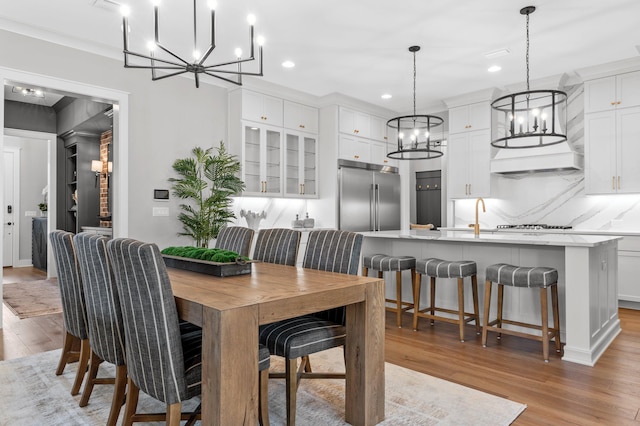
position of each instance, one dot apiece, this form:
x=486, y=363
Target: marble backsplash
x=554, y=198
x=276, y=212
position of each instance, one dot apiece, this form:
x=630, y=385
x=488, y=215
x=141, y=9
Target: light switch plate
x=161, y=211
x=30, y=213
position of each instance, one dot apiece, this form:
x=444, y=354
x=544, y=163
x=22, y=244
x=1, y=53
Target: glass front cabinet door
x=262, y=159
x=301, y=165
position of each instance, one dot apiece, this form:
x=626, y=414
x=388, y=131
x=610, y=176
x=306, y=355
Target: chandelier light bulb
x=196, y=54
x=260, y=40
x=125, y=10
x=401, y=135
x=416, y=132
x=251, y=19
x=413, y=137
x=535, y=112
x=238, y=52
x=543, y=116
x=151, y=45
x=155, y=3
x=212, y=4
x=426, y=134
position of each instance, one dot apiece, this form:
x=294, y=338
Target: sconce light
x=97, y=166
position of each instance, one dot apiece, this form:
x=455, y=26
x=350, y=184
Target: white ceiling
x=13, y=93
x=359, y=48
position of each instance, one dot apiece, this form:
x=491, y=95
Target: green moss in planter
x=211, y=255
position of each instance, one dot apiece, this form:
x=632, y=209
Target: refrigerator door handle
x=377, y=204
x=372, y=210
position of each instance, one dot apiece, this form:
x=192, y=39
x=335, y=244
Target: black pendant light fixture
x=176, y=64
x=531, y=119
x=415, y=139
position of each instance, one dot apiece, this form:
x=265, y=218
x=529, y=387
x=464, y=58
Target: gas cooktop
x=533, y=226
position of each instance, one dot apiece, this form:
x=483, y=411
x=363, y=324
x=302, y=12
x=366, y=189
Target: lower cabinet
x=629, y=272
x=39, y=243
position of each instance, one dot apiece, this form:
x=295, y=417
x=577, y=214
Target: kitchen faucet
x=476, y=226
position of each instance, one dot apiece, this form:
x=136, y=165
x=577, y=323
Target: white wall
x=167, y=119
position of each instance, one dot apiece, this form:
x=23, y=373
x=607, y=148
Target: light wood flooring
x=556, y=393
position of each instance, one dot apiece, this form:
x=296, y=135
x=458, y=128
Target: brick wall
x=105, y=141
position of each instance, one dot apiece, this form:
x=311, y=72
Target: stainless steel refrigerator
x=369, y=197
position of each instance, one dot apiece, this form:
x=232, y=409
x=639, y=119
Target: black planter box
x=205, y=267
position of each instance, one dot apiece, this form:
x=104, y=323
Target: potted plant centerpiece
x=43, y=209
x=207, y=181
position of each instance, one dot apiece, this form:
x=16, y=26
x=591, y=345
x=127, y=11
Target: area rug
x=31, y=394
x=32, y=298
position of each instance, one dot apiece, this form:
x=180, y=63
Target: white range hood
x=549, y=158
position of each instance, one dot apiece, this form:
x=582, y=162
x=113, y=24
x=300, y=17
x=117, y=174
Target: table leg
x=365, y=358
x=230, y=366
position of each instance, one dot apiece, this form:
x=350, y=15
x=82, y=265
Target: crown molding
x=609, y=69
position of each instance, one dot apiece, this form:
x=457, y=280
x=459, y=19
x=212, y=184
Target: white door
x=8, y=206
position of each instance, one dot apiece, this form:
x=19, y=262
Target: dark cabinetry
x=39, y=243
x=79, y=195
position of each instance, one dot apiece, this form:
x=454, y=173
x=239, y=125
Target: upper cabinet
x=469, y=118
x=469, y=156
x=262, y=108
x=378, y=129
x=262, y=159
x=301, y=165
x=614, y=92
x=354, y=122
x=300, y=117
x=612, y=134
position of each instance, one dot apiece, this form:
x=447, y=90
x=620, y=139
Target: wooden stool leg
x=94, y=364
x=500, y=305
x=118, y=394
x=461, y=307
x=474, y=290
x=399, y=298
x=85, y=354
x=417, y=283
x=556, y=316
x=365, y=271
x=432, y=300
x=487, y=305
x=133, y=392
x=544, y=310
x=66, y=352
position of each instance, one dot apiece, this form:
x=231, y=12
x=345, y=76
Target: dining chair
x=327, y=250
x=161, y=361
x=277, y=245
x=235, y=238
x=104, y=319
x=73, y=307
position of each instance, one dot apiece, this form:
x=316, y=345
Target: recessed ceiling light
x=494, y=68
x=386, y=96
x=497, y=53
x=288, y=64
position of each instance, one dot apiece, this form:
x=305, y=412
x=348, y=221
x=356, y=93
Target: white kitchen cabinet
x=353, y=122
x=300, y=117
x=354, y=148
x=610, y=93
x=469, y=171
x=629, y=270
x=261, y=159
x=378, y=129
x=469, y=118
x=612, y=147
x=301, y=165
x=261, y=108
x=378, y=154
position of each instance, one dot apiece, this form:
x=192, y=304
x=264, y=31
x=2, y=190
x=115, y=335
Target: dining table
x=231, y=309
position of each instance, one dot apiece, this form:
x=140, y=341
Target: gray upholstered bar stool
x=384, y=263
x=438, y=268
x=517, y=276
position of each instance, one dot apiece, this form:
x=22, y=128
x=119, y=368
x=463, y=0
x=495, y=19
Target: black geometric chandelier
x=415, y=132
x=176, y=64
x=530, y=119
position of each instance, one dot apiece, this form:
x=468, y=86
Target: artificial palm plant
x=207, y=180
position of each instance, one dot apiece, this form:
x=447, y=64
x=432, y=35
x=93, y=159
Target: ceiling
x=14, y=93
x=360, y=48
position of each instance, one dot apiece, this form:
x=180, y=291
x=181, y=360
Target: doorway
x=11, y=175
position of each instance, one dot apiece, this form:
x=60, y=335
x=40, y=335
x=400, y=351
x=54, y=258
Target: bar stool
x=438, y=268
x=382, y=263
x=517, y=276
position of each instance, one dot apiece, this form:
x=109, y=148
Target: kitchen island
x=587, y=277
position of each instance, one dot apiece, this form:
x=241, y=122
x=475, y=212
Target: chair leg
x=544, y=311
x=461, y=307
x=365, y=271
x=67, y=345
x=417, y=283
x=432, y=301
x=500, y=305
x=174, y=414
x=476, y=310
x=85, y=352
x=556, y=316
x=291, y=370
x=133, y=391
x=94, y=364
x=487, y=305
x=263, y=400
x=118, y=394
x=399, y=298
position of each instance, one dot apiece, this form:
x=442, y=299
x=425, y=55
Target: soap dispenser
x=308, y=222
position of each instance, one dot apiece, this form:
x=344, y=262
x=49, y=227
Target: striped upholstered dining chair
x=331, y=250
x=73, y=307
x=161, y=361
x=104, y=319
x=277, y=246
x=235, y=238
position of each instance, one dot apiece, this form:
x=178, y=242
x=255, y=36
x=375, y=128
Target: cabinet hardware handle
x=386, y=138
x=618, y=182
x=303, y=189
x=613, y=183
x=300, y=189
x=356, y=156
x=613, y=103
x=386, y=161
x=618, y=103
x=469, y=189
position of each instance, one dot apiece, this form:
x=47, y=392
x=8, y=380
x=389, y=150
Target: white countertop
x=613, y=231
x=528, y=238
